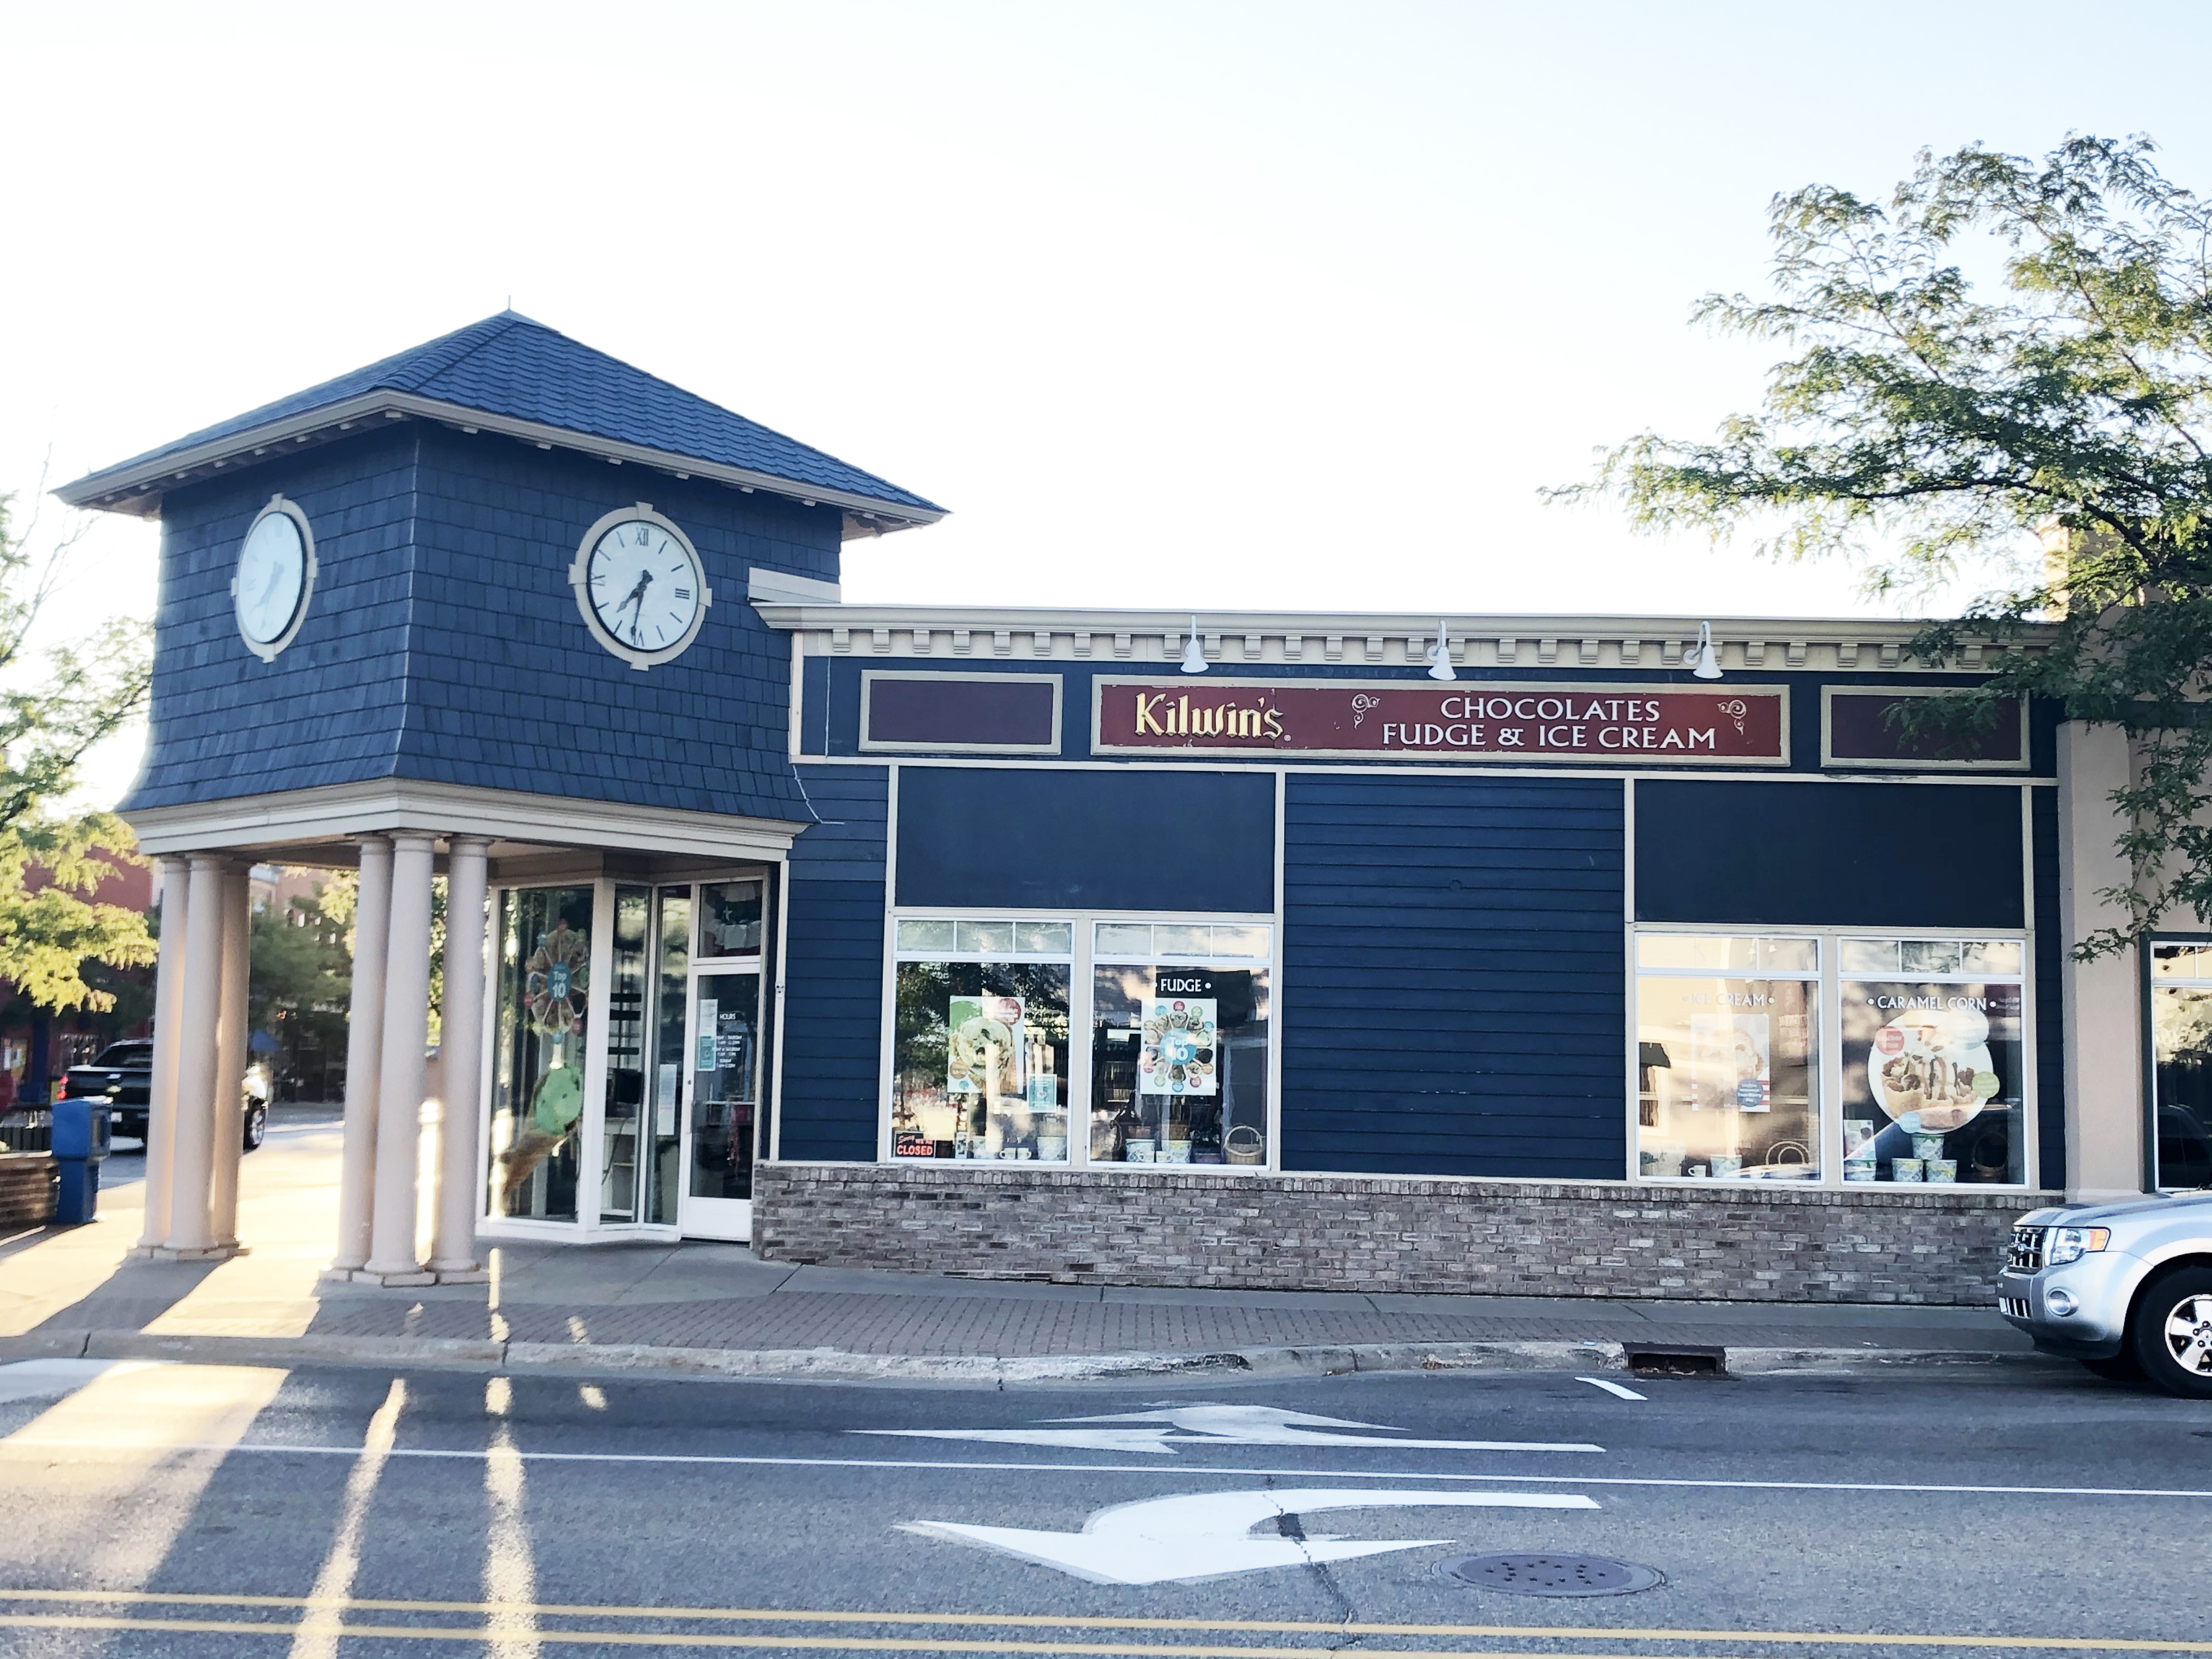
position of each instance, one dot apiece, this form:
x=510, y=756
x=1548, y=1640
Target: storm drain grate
x=1550, y=1575
x=1674, y=1360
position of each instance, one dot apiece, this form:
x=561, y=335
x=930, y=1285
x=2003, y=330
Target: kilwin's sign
x=1739, y=726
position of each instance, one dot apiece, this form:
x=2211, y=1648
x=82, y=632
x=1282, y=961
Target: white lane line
x=38, y=1450
x=1612, y=1389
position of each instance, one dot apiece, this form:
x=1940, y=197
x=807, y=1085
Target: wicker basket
x=1244, y=1145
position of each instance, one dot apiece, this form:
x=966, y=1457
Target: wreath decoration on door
x=556, y=981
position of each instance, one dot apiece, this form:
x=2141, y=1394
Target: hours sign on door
x=1735, y=726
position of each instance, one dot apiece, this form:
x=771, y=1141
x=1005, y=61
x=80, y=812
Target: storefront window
x=980, y=1069
x=729, y=919
x=537, y=1076
x=1934, y=1057
x=1728, y=1057
x=2181, y=1037
x=625, y=1160
x=672, y=990
x=1179, y=1043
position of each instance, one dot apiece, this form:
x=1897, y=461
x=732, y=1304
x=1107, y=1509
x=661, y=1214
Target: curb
x=834, y=1366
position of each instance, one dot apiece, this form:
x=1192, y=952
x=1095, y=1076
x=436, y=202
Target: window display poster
x=1179, y=1056
x=984, y=1046
x=1932, y=1057
x=707, y=1007
x=1731, y=1062
x=664, y=1102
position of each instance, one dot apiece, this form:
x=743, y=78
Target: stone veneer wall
x=27, y=1190
x=1752, y=1242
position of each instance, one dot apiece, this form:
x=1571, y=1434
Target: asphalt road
x=188, y=1511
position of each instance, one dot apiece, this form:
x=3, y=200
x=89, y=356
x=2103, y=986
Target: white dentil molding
x=1564, y=644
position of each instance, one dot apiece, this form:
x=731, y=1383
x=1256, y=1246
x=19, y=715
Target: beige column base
x=220, y=1252
x=402, y=1280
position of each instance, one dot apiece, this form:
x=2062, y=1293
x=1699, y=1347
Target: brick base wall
x=27, y=1191
x=1752, y=1242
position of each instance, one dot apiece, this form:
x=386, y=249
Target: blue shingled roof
x=510, y=366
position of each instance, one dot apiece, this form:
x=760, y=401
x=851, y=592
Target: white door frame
x=730, y=1218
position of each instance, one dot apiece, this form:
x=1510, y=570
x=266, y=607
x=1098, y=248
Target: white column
x=2103, y=1028
x=399, y=1083
x=460, y=1052
x=372, y=929
x=192, y=1151
x=230, y=1059
x=168, y=1022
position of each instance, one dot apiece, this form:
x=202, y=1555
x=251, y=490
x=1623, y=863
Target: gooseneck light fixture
x=1709, y=660
x=1440, y=662
x=1194, y=651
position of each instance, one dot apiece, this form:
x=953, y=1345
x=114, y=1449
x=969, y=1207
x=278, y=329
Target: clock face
x=645, y=587
x=272, y=577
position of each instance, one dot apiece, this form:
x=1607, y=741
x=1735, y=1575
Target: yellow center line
x=770, y=1615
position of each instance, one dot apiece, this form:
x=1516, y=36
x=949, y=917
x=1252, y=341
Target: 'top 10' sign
x=1739, y=725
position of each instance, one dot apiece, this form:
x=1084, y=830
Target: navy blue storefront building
x=1316, y=951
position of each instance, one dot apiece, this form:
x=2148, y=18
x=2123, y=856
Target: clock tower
x=481, y=610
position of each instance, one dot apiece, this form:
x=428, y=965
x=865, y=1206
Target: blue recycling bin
x=80, y=1146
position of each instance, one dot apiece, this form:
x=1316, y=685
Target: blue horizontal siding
x=834, y=969
x=2050, y=992
x=1453, y=999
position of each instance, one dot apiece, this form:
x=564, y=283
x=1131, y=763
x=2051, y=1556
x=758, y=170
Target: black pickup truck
x=123, y=1076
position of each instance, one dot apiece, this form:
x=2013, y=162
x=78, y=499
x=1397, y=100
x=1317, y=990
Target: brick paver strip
x=868, y=1324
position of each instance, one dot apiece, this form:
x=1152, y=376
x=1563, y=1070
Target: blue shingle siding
x=1453, y=998
x=443, y=643
x=508, y=365
x=512, y=690
x=329, y=709
x=834, y=969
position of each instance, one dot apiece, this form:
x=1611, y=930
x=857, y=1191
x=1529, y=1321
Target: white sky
x=1184, y=305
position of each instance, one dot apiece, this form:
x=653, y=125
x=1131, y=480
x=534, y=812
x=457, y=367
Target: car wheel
x=257, y=1125
x=2170, y=1332
x=2121, y=1367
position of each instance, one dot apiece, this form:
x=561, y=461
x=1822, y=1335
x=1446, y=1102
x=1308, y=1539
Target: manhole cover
x=1550, y=1575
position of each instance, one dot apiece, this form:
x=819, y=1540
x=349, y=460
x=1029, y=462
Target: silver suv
x=2125, y=1288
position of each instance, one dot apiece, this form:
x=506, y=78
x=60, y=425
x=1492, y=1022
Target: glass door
x=723, y=1062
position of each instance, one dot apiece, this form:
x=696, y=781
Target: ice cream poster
x=983, y=1048
x=1178, y=1055
x=1929, y=1067
x=1731, y=1062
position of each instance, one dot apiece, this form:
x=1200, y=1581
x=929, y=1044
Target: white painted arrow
x=1216, y=1425
x=1205, y=1534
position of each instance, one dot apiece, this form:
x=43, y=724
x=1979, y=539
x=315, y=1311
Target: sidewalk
x=716, y=1309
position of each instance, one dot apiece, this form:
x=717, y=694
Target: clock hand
x=635, y=604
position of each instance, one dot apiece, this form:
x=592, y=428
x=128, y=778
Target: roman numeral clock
x=639, y=586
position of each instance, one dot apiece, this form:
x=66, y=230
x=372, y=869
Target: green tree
x=52, y=857
x=300, y=980
x=2046, y=433
x=300, y=964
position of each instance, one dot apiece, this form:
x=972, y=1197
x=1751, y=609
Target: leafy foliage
x=2050, y=436
x=52, y=860
x=299, y=964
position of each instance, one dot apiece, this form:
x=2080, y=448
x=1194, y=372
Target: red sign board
x=1446, y=720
